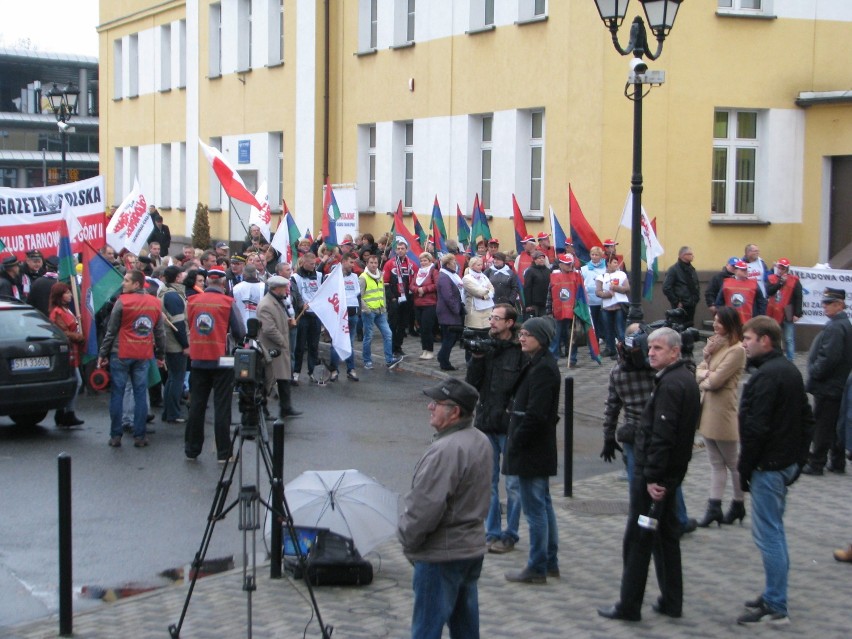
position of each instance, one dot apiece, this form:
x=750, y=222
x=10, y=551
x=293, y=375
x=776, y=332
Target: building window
x=536, y=159
x=489, y=13
x=244, y=35
x=165, y=176
x=182, y=177
x=181, y=44
x=133, y=167
x=408, y=149
x=281, y=32
x=742, y=5
x=735, y=147
x=214, y=62
x=374, y=24
x=215, y=190
x=118, y=175
x=133, y=65
x=486, y=138
x=539, y=7
x=165, y=57
x=409, y=25
x=118, y=70
x=371, y=157
x=368, y=25
x=276, y=169
x=530, y=10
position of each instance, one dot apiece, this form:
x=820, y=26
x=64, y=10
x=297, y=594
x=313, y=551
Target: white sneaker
x=426, y=355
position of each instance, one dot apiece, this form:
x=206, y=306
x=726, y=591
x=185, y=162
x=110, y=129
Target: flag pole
x=571, y=341
x=239, y=219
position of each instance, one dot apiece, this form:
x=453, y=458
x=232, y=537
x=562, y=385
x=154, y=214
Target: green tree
x=201, y=228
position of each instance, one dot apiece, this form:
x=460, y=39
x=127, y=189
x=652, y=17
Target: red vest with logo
x=777, y=303
x=209, y=318
x=563, y=293
x=525, y=260
x=139, y=315
x=549, y=252
x=739, y=295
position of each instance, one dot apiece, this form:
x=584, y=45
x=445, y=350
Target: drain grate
x=598, y=506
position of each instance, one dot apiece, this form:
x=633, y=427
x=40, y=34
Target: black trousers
x=307, y=339
x=641, y=544
x=826, y=412
x=398, y=316
x=427, y=317
x=201, y=382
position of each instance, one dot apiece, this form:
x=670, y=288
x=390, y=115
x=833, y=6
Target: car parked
x=35, y=374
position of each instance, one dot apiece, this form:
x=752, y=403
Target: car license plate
x=30, y=363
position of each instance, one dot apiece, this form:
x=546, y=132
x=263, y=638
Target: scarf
x=454, y=277
x=423, y=275
x=503, y=270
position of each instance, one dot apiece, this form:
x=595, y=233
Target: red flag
x=583, y=235
x=520, y=225
x=414, y=249
x=230, y=179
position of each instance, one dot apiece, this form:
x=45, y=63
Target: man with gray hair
x=663, y=448
x=681, y=284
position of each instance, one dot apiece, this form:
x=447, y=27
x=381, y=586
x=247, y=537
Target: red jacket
x=429, y=297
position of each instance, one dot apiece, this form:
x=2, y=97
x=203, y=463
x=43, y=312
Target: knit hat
x=542, y=328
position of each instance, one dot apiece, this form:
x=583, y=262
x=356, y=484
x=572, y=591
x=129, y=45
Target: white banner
x=653, y=248
x=329, y=304
x=261, y=217
x=814, y=281
x=130, y=226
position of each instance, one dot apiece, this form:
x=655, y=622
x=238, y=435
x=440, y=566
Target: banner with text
x=32, y=218
x=814, y=282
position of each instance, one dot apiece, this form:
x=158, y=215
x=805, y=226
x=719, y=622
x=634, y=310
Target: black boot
x=714, y=513
x=287, y=409
x=735, y=511
x=72, y=420
x=59, y=417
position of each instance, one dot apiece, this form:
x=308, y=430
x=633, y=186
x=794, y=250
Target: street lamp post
x=661, y=15
x=64, y=104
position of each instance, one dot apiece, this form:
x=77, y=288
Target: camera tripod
x=252, y=428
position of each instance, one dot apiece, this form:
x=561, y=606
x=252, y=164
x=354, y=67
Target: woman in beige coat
x=718, y=376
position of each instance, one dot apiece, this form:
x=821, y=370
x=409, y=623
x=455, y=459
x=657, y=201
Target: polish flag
x=230, y=179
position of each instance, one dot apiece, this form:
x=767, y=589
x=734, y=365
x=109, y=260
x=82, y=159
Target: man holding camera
x=663, y=448
x=493, y=371
x=211, y=315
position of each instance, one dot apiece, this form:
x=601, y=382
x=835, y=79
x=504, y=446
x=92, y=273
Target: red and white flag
x=130, y=226
x=329, y=304
x=230, y=179
x=262, y=216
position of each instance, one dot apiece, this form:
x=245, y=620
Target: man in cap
x=525, y=259
x=742, y=294
x=397, y=273
x=39, y=296
x=10, y=285
x=161, y=234
x=211, y=315
x=536, y=285
x=775, y=425
x=829, y=364
x=234, y=274
x=681, y=286
x=134, y=336
x=441, y=526
x=531, y=453
x=716, y=281
x=784, y=303
x=545, y=247
x=223, y=249
x=609, y=248
x=565, y=283
x=32, y=269
x=275, y=334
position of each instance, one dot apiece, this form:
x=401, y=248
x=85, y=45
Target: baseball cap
x=456, y=391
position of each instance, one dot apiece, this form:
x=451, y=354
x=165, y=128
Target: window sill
x=243, y=71
x=534, y=217
x=214, y=209
x=118, y=99
x=751, y=220
x=365, y=52
x=215, y=76
x=532, y=20
x=721, y=13
x=133, y=97
x=275, y=64
x=484, y=29
x=368, y=212
x=181, y=209
x=164, y=208
x=169, y=90
x=404, y=45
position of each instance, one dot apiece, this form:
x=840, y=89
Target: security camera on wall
x=65, y=127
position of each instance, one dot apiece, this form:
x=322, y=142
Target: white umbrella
x=347, y=502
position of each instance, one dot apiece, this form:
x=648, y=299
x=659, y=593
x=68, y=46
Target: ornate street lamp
x=64, y=104
x=661, y=15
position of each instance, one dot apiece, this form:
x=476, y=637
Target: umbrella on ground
x=347, y=502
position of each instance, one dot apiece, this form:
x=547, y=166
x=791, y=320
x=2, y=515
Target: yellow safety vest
x=374, y=293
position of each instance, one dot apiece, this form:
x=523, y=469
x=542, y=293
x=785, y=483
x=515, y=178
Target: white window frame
x=536, y=143
x=165, y=80
x=410, y=20
x=244, y=35
x=732, y=144
x=408, y=164
x=276, y=167
x=215, y=186
x=118, y=69
x=181, y=176
x=214, y=58
x=403, y=22
x=743, y=7
x=371, y=167
x=165, y=176
x=275, y=23
x=133, y=65
x=181, y=55
x=486, y=159
x=367, y=25
x=118, y=175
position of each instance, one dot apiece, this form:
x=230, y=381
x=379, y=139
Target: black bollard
x=65, y=573
x=276, y=538
x=568, y=482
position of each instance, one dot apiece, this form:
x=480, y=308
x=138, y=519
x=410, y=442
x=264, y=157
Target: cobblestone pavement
x=722, y=568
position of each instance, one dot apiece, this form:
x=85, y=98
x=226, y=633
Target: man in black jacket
x=829, y=364
x=716, y=281
x=494, y=373
x=775, y=423
x=531, y=447
x=681, y=284
x=663, y=448
x=536, y=286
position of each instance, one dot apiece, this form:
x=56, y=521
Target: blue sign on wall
x=244, y=152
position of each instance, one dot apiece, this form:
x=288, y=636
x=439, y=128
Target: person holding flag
x=352, y=289
x=62, y=316
x=566, y=288
x=526, y=259
x=612, y=288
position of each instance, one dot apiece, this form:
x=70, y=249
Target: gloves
x=609, y=448
x=745, y=478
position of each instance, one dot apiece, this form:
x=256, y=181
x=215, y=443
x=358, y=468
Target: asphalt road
x=137, y=512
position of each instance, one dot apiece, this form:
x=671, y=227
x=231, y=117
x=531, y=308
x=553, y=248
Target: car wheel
x=28, y=419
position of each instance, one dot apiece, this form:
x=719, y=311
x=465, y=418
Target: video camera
x=474, y=342
x=634, y=350
x=250, y=358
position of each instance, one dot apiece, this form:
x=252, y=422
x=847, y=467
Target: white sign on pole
x=814, y=281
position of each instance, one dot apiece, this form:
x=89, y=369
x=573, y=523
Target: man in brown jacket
x=274, y=334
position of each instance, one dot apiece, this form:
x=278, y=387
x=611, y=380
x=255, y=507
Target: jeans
x=768, y=496
x=307, y=340
x=630, y=458
x=563, y=334
x=173, y=390
x=789, y=329
x=121, y=371
x=596, y=311
x=128, y=406
x=446, y=593
x=201, y=382
x=449, y=336
x=614, y=325
x=493, y=522
x=71, y=406
x=350, y=361
x=541, y=520
x=381, y=321
x=427, y=317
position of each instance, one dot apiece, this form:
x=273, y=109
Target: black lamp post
x=64, y=104
x=661, y=15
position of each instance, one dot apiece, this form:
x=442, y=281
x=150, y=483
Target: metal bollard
x=568, y=482
x=276, y=538
x=65, y=566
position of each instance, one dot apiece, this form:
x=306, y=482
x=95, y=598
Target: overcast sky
x=51, y=25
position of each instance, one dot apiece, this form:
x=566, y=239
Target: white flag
x=71, y=221
x=130, y=226
x=261, y=216
x=329, y=304
x=653, y=248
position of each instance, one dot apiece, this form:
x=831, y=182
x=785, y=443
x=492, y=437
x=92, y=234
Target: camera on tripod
x=474, y=342
x=251, y=358
x=634, y=350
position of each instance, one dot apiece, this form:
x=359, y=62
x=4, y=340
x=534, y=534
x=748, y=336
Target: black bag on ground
x=333, y=560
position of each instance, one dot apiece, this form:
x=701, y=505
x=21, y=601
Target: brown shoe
x=844, y=555
x=115, y=442
x=502, y=546
x=526, y=576
x=140, y=442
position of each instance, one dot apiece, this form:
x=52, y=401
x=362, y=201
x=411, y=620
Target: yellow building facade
x=749, y=140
